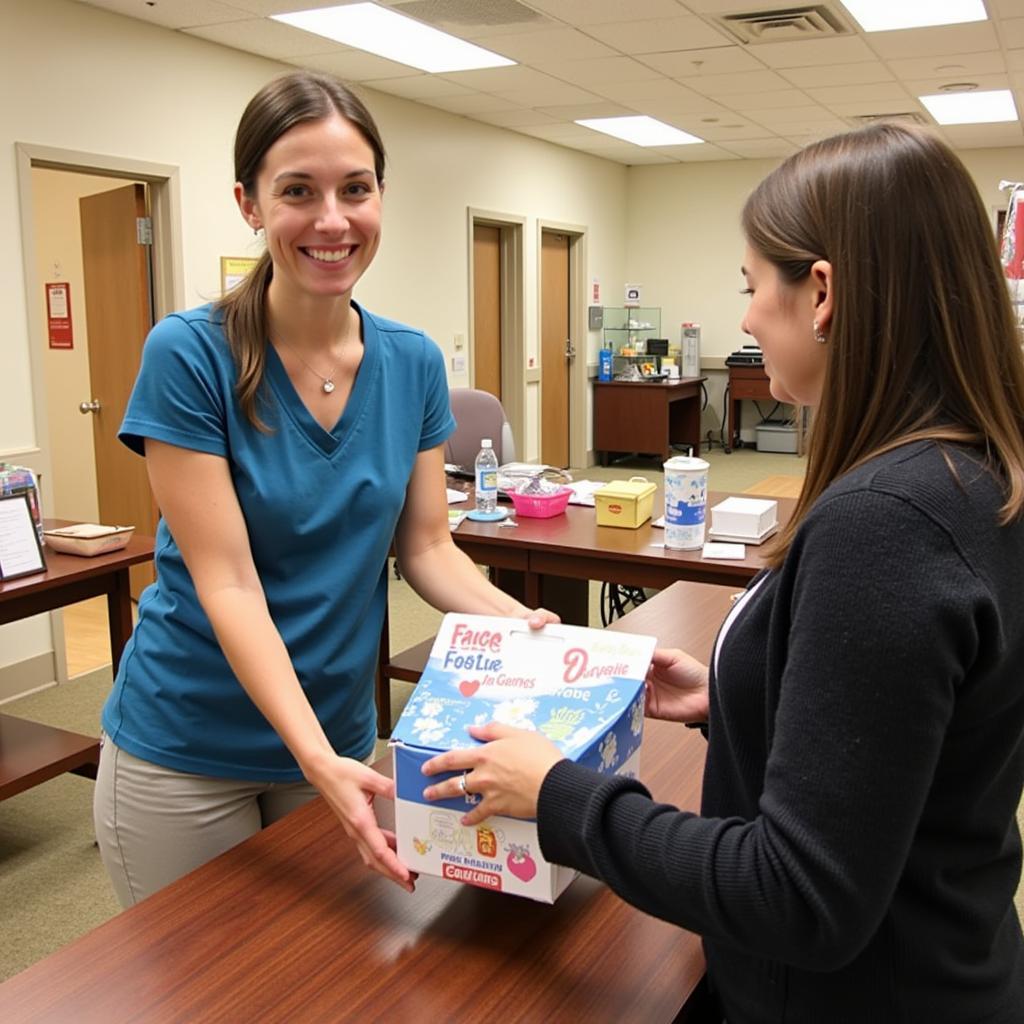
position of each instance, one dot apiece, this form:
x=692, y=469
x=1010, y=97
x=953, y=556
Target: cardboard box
x=625, y=502
x=744, y=519
x=582, y=688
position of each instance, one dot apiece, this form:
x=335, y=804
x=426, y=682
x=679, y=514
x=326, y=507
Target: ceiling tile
x=986, y=62
x=547, y=45
x=659, y=35
x=357, y=65
x=757, y=148
x=767, y=100
x=718, y=60
x=598, y=12
x=838, y=74
x=929, y=42
x=669, y=110
x=743, y=81
x=1011, y=31
x=863, y=108
x=420, y=87
x=979, y=136
x=265, y=8
x=555, y=94
x=1015, y=60
x=849, y=93
x=732, y=126
x=927, y=86
x=474, y=103
x=661, y=89
x=785, y=121
x=730, y=6
x=559, y=132
x=596, y=72
x=697, y=154
x=813, y=52
x=268, y=38
x=515, y=118
x=579, y=111
x=495, y=79
x=181, y=14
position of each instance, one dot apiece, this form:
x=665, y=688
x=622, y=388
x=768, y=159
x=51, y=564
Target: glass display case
x=633, y=336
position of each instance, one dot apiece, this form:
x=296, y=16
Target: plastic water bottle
x=486, y=471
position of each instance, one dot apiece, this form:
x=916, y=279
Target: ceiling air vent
x=785, y=25
x=912, y=116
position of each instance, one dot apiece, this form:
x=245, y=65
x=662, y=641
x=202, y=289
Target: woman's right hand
x=676, y=687
x=349, y=787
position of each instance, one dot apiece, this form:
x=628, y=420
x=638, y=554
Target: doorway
x=496, y=317
x=87, y=473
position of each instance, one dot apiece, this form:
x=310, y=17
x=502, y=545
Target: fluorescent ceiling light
x=641, y=130
x=394, y=36
x=971, y=107
x=885, y=15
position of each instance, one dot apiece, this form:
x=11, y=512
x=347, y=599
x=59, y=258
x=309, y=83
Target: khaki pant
x=155, y=824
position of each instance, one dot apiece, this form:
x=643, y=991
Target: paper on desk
x=454, y=497
x=455, y=517
x=583, y=491
x=716, y=549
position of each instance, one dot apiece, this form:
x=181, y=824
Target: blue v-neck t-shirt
x=320, y=507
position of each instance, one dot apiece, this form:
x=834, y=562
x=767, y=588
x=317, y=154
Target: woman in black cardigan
x=857, y=851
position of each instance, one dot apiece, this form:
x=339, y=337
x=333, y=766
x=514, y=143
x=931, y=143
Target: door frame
x=577, y=234
x=168, y=281
x=512, y=315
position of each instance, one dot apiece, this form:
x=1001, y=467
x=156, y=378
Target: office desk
x=646, y=417
x=31, y=753
x=290, y=927
x=751, y=382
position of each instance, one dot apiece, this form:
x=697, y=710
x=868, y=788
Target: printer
x=745, y=355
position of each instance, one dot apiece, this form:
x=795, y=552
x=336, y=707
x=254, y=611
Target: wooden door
x=118, y=311
x=487, y=309
x=554, y=343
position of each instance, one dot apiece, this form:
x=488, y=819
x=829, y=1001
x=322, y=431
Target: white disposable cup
x=686, y=499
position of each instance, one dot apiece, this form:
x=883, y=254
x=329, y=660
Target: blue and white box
x=582, y=688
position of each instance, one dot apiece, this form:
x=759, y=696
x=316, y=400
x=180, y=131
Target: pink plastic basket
x=541, y=506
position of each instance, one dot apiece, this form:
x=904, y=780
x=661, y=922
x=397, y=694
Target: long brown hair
x=922, y=341
x=279, y=106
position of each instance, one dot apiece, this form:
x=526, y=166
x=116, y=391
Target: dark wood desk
x=289, y=926
x=751, y=382
x=31, y=753
x=646, y=417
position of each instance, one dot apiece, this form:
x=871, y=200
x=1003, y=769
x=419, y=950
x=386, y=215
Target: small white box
x=582, y=688
x=744, y=519
x=777, y=437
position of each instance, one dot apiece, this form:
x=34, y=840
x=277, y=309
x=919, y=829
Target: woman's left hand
x=507, y=771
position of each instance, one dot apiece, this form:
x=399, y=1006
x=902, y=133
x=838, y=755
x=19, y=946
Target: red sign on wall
x=58, y=314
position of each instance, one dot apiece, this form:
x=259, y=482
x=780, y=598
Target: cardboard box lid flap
x=626, y=489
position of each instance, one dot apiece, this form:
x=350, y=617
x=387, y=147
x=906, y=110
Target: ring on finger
x=462, y=784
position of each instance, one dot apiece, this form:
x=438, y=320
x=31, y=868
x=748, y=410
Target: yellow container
x=625, y=502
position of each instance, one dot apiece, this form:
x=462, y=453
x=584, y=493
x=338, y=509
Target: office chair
x=478, y=414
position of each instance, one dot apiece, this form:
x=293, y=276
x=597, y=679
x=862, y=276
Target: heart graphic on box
x=468, y=687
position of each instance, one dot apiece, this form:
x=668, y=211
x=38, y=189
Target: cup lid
x=685, y=463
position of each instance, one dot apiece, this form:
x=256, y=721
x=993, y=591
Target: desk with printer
x=749, y=382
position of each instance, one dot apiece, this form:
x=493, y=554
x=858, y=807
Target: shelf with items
x=627, y=334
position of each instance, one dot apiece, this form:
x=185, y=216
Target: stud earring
x=819, y=334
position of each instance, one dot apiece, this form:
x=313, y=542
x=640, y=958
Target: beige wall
x=685, y=245
x=58, y=245
x=98, y=83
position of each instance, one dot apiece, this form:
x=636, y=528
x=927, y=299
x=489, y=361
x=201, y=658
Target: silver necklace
x=327, y=384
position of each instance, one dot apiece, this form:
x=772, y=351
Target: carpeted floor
x=52, y=885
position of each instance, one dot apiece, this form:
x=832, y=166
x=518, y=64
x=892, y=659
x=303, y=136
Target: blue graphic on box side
x=597, y=726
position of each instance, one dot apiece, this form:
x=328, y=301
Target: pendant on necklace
x=328, y=386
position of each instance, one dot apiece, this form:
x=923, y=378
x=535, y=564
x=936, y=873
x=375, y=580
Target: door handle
x=92, y=405
x=570, y=351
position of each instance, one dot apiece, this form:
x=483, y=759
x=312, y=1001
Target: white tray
x=88, y=539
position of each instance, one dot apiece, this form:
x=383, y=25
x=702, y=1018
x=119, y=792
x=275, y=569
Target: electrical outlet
x=458, y=364
x=460, y=341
